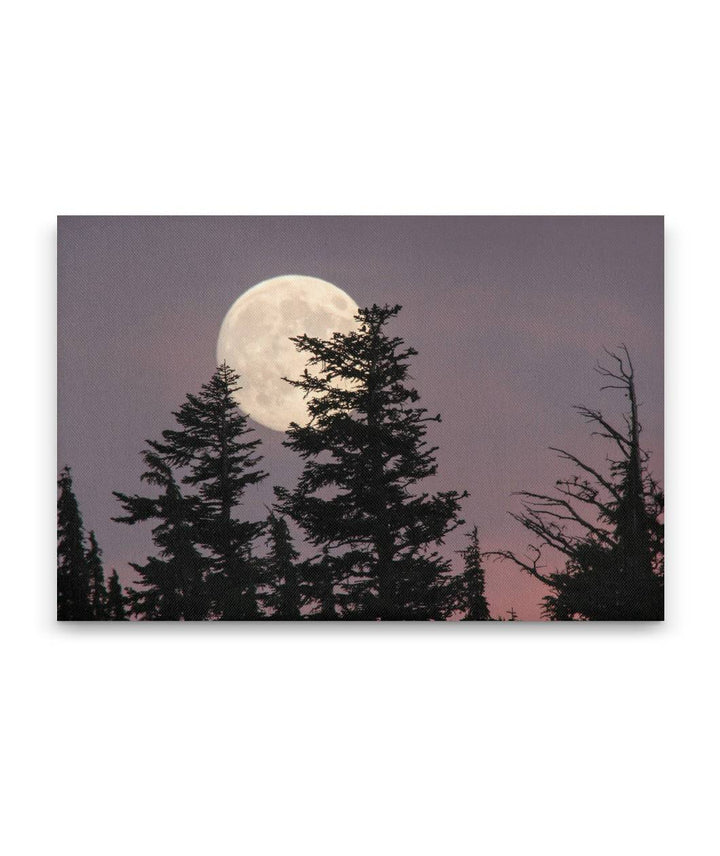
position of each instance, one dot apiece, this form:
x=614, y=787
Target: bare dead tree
x=606, y=527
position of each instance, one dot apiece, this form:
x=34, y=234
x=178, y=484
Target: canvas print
x=360, y=419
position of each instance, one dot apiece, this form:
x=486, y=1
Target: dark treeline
x=372, y=534
x=82, y=593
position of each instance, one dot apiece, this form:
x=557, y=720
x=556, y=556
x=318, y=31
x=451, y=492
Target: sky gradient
x=509, y=316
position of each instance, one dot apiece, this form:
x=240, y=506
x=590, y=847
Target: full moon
x=255, y=341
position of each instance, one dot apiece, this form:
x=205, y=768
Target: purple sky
x=509, y=315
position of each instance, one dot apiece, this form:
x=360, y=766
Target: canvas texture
x=440, y=419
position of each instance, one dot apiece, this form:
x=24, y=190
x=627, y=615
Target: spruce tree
x=281, y=571
x=115, y=610
x=365, y=454
x=172, y=586
x=98, y=593
x=214, y=447
x=471, y=582
x=73, y=575
x=205, y=568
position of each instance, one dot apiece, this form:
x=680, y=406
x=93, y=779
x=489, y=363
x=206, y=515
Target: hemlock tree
x=281, y=571
x=115, y=610
x=365, y=453
x=73, y=575
x=606, y=525
x=98, y=594
x=172, y=585
x=214, y=448
x=471, y=582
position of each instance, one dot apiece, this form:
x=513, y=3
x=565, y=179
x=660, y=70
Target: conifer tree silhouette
x=173, y=585
x=73, y=574
x=471, y=582
x=607, y=526
x=213, y=445
x=319, y=577
x=281, y=571
x=364, y=452
x=98, y=594
x=205, y=568
x=115, y=610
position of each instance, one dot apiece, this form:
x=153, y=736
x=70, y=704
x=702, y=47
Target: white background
x=358, y=740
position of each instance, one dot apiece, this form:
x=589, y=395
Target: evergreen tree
x=214, y=447
x=471, y=583
x=607, y=526
x=364, y=452
x=319, y=578
x=173, y=584
x=281, y=571
x=115, y=610
x=98, y=594
x=205, y=567
x=73, y=575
